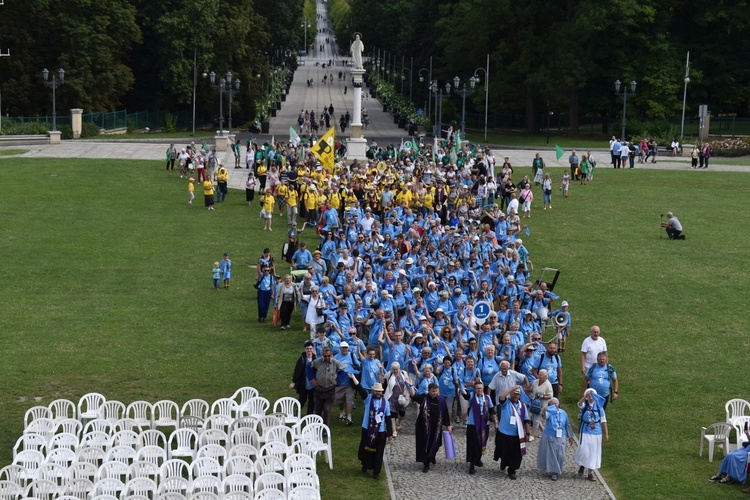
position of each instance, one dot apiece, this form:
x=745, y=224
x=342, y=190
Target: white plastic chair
x=98, y=425
x=89, y=406
x=141, y=468
x=79, y=488
x=298, y=461
x=255, y=407
x=166, y=414
x=291, y=409
x=62, y=457
x=213, y=436
x=114, y=470
x=173, y=485
x=83, y=470
x=268, y=463
x=270, y=495
x=279, y=433
x=42, y=489
x=97, y=439
x=245, y=436
x=240, y=465
x=10, y=490
x=320, y=434
x=305, y=421
x=64, y=440
x=141, y=486
x=192, y=423
x=60, y=409
x=205, y=495
x=152, y=437
x=207, y=466
x=266, y=422
x=43, y=426
x=213, y=451
x=182, y=443
x=154, y=454
x=92, y=455
x=235, y=483
x=715, y=434
x=176, y=468
x=736, y=408
x=305, y=447
x=142, y=412
x=125, y=438
x=112, y=411
x=225, y=407
x=124, y=454
x=244, y=394
x=270, y=481
x=108, y=486
x=303, y=477
x=205, y=484
x=15, y=474
x=238, y=495
x=127, y=424
x=30, y=441
x=275, y=449
x=30, y=460
x=34, y=413
x=242, y=423
x=71, y=425
x=195, y=408
x=220, y=422
x=244, y=450
x=52, y=472
x=739, y=427
x=304, y=493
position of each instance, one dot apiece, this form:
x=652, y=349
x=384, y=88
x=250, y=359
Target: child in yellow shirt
x=267, y=201
x=191, y=191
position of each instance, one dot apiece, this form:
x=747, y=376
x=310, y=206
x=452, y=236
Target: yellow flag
x=324, y=148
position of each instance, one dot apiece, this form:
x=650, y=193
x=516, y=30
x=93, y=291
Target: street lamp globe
x=45, y=74
x=473, y=81
x=687, y=79
x=61, y=74
x=237, y=84
x=456, y=81
x=212, y=77
x=632, y=86
x=421, y=79
x=618, y=84
x=229, y=76
x=447, y=88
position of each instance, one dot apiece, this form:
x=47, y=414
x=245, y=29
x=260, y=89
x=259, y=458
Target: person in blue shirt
x=301, y=257
x=527, y=362
x=265, y=290
x=226, y=268
x=551, y=362
x=513, y=428
x=372, y=370
x=563, y=330
x=216, y=275
x=593, y=427
x=488, y=365
x=377, y=429
x=447, y=382
x=602, y=377
x=345, y=386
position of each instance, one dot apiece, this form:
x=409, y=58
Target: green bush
x=89, y=130
x=66, y=132
x=27, y=128
x=170, y=123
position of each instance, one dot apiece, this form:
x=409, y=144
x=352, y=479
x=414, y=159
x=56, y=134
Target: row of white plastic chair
x=164, y=413
x=302, y=484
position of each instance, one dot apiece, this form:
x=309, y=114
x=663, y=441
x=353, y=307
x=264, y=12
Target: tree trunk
x=574, y=119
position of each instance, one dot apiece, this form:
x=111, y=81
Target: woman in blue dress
x=734, y=465
x=552, y=446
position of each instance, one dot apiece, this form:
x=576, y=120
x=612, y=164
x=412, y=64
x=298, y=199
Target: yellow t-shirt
x=282, y=190
x=222, y=175
x=335, y=200
x=208, y=187
x=268, y=202
x=404, y=197
x=262, y=170
x=310, y=199
x=191, y=187
x=292, y=198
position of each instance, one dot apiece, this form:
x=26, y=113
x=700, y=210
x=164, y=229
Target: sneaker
x=554, y=477
x=724, y=480
x=714, y=479
x=531, y=438
x=458, y=420
x=342, y=417
x=348, y=422
x=682, y=237
x=511, y=475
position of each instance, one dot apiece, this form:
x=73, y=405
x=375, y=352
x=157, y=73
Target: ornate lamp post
x=486, y=91
x=224, y=86
x=463, y=92
x=624, y=95
x=54, y=84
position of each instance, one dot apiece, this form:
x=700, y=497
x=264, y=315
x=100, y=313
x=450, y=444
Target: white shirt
x=591, y=348
x=513, y=205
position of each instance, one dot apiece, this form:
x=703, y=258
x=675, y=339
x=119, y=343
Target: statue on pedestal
x=356, y=49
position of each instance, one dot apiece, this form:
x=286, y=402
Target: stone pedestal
x=356, y=146
x=223, y=142
x=76, y=115
x=55, y=136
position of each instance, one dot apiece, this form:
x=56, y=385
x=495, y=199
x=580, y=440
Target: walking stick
x=661, y=218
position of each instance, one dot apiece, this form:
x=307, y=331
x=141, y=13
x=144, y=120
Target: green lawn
x=12, y=152
x=108, y=289
x=540, y=140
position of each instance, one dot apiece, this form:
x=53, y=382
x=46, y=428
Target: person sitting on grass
x=734, y=465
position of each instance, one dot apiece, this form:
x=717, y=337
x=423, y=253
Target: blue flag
x=528, y=233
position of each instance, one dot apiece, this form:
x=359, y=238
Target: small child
x=191, y=191
x=563, y=330
x=216, y=273
x=565, y=183
x=226, y=270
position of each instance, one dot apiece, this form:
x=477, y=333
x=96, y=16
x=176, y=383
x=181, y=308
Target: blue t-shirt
x=510, y=412
x=447, y=382
x=370, y=372
x=551, y=365
x=601, y=378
